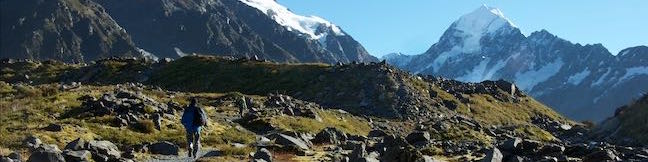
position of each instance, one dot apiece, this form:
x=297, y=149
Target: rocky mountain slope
x=84, y=30
x=376, y=107
x=583, y=82
x=68, y=30
x=628, y=126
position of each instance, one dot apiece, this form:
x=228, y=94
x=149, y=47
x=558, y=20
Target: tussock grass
x=330, y=118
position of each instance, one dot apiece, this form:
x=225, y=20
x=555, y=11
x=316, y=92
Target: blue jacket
x=188, y=116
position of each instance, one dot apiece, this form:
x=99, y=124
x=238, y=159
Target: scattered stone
x=6, y=159
x=493, y=155
x=418, y=137
x=263, y=154
x=54, y=128
x=80, y=156
x=105, y=148
x=32, y=142
x=157, y=121
x=164, y=148
x=377, y=133
x=511, y=144
x=603, y=155
x=77, y=144
x=15, y=156
x=359, y=152
x=330, y=135
x=289, y=142
x=46, y=153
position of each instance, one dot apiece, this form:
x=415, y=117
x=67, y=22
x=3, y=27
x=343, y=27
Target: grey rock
x=515, y=158
x=603, y=155
x=46, y=154
x=164, y=148
x=552, y=149
x=330, y=135
x=77, y=144
x=6, y=159
x=359, y=152
x=80, y=156
x=263, y=154
x=493, y=155
x=157, y=120
x=418, y=137
x=377, y=133
x=289, y=142
x=511, y=144
x=15, y=156
x=106, y=148
x=32, y=142
x=54, y=128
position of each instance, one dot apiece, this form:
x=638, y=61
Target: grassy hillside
x=375, y=90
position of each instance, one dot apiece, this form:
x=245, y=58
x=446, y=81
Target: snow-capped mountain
x=63, y=30
x=582, y=82
x=240, y=28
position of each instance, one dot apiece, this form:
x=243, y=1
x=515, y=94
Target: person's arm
x=185, y=118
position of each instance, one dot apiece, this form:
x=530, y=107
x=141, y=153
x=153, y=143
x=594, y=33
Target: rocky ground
x=395, y=116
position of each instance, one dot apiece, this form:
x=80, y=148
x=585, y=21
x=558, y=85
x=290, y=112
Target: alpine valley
x=582, y=82
x=110, y=81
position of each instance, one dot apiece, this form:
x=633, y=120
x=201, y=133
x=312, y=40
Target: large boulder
x=289, y=142
x=77, y=156
x=46, y=153
x=164, y=148
x=493, y=155
x=263, y=154
x=77, y=144
x=418, y=137
x=105, y=148
x=330, y=135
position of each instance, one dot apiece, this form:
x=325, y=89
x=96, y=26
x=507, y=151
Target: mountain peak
x=307, y=25
x=483, y=19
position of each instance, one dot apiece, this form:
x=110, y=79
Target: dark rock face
x=164, y=148
x=67, y=30
x=224, y=27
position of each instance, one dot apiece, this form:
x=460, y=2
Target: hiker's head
x=194, y=101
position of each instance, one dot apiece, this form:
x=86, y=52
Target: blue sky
x=412, y=26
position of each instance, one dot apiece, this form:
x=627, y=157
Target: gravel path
x=205, y=152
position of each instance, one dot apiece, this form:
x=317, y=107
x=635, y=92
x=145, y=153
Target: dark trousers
x=193, y=143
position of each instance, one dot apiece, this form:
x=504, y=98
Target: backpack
x=200, y=118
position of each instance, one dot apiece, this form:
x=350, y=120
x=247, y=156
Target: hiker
x=242, y=105
x=193, y=119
